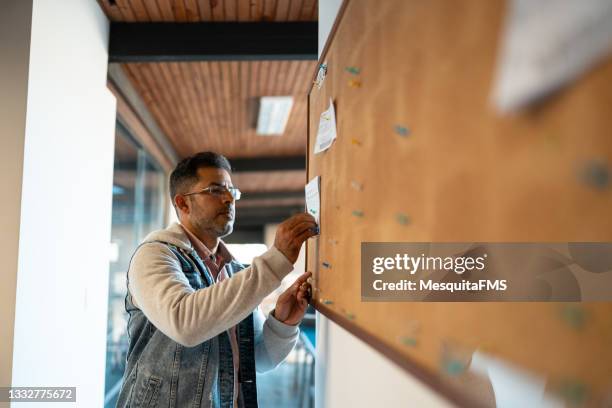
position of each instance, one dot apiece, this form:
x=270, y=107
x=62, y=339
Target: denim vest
x=163, y=373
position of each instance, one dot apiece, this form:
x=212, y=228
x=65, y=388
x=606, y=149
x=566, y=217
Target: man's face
x=211, y=214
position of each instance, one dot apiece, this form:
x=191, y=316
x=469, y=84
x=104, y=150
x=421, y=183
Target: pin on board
x=403, y=131
x=321, y=74
x=352, y=70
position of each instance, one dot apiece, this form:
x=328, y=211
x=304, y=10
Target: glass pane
x=138, y=202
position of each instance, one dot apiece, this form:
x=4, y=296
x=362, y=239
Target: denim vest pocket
x=147, y=396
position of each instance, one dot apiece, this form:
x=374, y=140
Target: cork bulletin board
x=422, y=155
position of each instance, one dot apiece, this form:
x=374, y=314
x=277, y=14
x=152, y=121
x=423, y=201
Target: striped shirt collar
x=220, y=257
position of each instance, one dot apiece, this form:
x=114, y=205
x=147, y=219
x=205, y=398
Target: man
x=195, y=332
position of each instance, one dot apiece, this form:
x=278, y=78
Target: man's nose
x=228, y=197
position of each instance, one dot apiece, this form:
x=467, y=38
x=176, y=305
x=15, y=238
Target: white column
x=65, y=152
x=15, y=19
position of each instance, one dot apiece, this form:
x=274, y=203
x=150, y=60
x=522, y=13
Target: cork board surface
x=462, y=173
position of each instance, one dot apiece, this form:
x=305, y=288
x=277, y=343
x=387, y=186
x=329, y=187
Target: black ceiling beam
x=269, y=163
x=154, y=42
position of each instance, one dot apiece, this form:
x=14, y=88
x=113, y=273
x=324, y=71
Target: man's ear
x=181, y=203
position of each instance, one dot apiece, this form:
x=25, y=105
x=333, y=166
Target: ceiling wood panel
x=210, y=10
x=213, y=105
x=263, y=181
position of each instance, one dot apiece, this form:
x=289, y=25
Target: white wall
x=349, y=373
x=15, y=19
x=65, y=221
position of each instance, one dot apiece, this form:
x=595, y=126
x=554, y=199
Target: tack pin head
x=574, y=316
x=596, y=174
x=353, y=83
x=402, y=219
x=409, y=341
x=402, y=130
x=357, y=185
x=455, y=358
x=358, y=213
x=573, y=391
x=352, y=70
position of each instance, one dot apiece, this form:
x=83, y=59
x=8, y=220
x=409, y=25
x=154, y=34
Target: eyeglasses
x=218, y=191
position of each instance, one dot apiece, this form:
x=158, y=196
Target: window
x=139, y=201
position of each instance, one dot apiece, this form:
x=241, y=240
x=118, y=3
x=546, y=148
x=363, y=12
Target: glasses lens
x=217, y=190
x=221, y=190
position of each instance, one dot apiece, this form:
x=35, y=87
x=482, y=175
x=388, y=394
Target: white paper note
x=326, y=134
x=313, y=199
x=547, y=43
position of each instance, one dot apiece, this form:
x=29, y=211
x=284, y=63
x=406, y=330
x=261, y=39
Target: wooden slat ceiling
x=210, y=10
x=213, y=105
x=261, y=181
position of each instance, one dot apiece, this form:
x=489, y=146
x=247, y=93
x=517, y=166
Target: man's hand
x=292, y=233
x=292, y=303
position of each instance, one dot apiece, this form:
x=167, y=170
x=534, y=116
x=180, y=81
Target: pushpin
x=352, y=70
x=402, y=131
x=350, y=316
x=357, y=185
x=356, y=142
x=574, y=392
x=321, y=75
x=353, y=83
x=409, y=341
x=596, y=174
x=358, y=213
x=455, y=359
x=327, y=302
x=326, y=265
x=453, y=367
x=402, y=219
x=574, y=316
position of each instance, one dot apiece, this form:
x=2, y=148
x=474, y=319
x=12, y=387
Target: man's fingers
x=297, y=219
x=303, y=226
x=295, y=287
x=302, y=278
x=302, y=297
x=299, y=239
